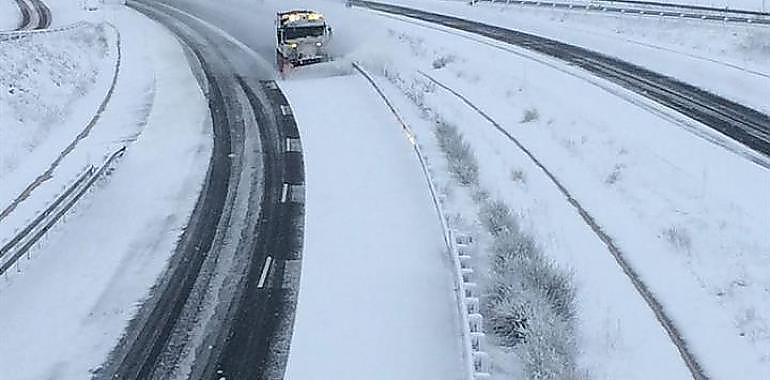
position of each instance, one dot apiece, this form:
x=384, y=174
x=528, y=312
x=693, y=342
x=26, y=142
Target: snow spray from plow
x=475, y=358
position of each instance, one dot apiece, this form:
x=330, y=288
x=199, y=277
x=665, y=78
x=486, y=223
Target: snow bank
x=376, y=298
x=9, y=15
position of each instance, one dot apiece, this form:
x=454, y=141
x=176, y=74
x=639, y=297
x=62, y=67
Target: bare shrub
x=678, y=237
x=615, y=175
x=528, y=303
x=458, y=153
x=530, y=115
x=441, y=61
x=496, y=217
x=550, y=349
x=519, y=176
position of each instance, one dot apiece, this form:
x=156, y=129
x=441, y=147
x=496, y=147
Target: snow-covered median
x=70, y=303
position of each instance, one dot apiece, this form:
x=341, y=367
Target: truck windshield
x=303, y=31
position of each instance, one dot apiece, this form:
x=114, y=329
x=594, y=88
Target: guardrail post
x=481, y=365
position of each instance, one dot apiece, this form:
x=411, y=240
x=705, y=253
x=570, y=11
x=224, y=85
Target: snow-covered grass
x=638, y=179
x=42, y=77
x=67, y=307
x=528, y=302
x=52, y=85
x=9, y=15
x=376, y=298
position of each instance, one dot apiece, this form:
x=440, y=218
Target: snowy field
x=93, y=269
x=9, y=15
x=376, y=299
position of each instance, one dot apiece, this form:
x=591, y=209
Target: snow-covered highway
x=606, y=178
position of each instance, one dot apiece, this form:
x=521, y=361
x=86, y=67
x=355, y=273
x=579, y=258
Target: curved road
x=35, y=15
x=225, y=306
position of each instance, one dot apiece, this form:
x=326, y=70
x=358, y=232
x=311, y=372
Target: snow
x=727, y=59
x=752, y=5
x=9, y=15
x=92, y=271
x=55, y=85
x=376, y=298
x=693, y=228
x=66, y=12
x=618, y=337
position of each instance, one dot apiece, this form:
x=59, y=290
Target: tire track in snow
x=26, y=15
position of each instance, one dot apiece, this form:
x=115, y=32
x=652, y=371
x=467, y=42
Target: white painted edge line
x=265, y=271
x=284, y=192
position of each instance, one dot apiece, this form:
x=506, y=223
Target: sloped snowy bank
x=44, y=80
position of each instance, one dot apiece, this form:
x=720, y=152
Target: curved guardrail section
x=19, y=34
x=23, y=241
x=649, y=8
x=476, y=359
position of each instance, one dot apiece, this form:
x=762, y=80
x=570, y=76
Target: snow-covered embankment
x=93, y=269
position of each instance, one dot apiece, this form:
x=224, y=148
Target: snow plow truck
x=302, y=37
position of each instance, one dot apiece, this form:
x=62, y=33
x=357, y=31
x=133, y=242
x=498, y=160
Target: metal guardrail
x=19, y=34
x=25, y=239
x=476, y=358
x=688, y=6
x=80, y=136
x=644, y=8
